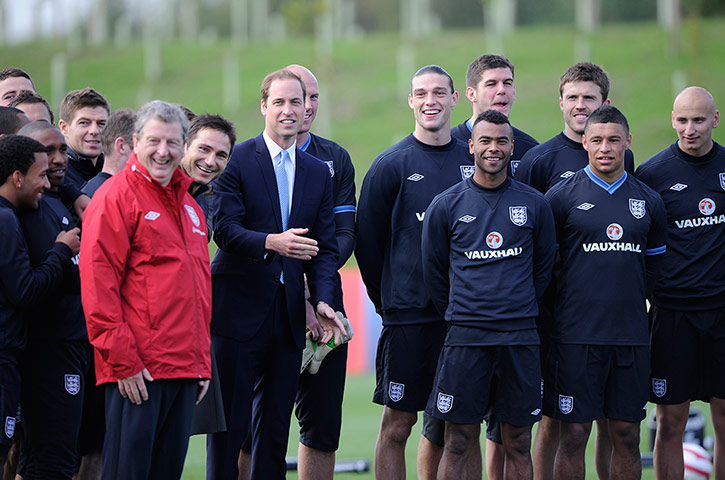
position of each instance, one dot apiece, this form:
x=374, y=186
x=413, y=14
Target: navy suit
x=258, y=323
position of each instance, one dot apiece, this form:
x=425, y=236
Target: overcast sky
x=53, y=14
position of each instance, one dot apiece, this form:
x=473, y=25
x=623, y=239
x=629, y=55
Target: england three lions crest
x=659, y=386
x=636, y=208
x=73, y=384
x=566, y=404
x=396, y=391
x=722, y=181
x=467, y=171
x=518, y=215
x=331, y=166
x=10, y=426
x=445, y=402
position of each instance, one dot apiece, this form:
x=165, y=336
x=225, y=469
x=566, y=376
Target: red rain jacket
x=145, y=278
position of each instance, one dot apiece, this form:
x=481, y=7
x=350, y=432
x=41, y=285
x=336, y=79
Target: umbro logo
x=536, y=412
x=678, y=187
x=567, y=174
x=585, y=206
x=416, y=177
x=152, y=215
x=467, y=219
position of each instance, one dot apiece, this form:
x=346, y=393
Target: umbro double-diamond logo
x=585, y=206
x=416, y=177
x=567, y=174
x=467, y=219
x=678, y=187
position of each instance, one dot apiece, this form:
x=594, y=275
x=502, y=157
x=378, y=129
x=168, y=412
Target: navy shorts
x=688, y=355
x=406, y=364
x=587, y=382
x=9, y=399
x=319, y=402
x=474, y=381
x=54, y=380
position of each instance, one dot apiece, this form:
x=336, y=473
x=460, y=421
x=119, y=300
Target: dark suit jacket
x=247, y=209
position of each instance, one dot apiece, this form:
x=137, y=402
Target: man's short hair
x=280, y=75
x=26, y=96
x=77, y=99
x=17, y=153
x=493, y=116
x=32, y=128
x=15, y=72
x=483, y=63
x=190, y=115
x=438, y=71
x=120, y=123
x=162, y=111
x=586, y=72
x=607, y=114
x=9, y=120
x=213, y=122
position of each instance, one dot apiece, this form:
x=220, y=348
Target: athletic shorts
x=319, y=402
x=587, y=382
x=93, y=424
x=473, y=381
x=688, y=355
x=53, y=391
x=9, y=399
x=405, y=365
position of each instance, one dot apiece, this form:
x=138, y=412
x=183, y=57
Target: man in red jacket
x=143, y=236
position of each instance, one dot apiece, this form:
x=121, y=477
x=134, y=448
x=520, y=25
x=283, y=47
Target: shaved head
x=311, y=100
x=695, y=94
x=694, y=116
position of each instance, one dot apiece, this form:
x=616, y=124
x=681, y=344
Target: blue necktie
x=283, y=191
x=283, y=187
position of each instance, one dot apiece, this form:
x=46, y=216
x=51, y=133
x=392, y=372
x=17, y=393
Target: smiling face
x=57, y=154
x=578, y=100
x=83, y=133
x=34, y=182
x=491, y=146
x=432, y=100
x=159, y=148
x=11, y=86
x=284, y=111
x=312, y=98
x=693, y=118
x=495, y=91
x=206, y=156
x=606, y=144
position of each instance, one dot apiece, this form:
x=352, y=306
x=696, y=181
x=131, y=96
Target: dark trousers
x=148, y=441
x=259, y=382
x=52, y=407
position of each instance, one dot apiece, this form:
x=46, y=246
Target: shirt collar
x=606, y=186
x=275, y=149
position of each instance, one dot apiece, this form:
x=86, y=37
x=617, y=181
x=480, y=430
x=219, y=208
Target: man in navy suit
x=273, y=223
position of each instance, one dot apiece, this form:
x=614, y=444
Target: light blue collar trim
x=469, y=125
x=304, y=146
x=610, y=189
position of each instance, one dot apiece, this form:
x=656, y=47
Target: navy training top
x=692, y=276
x=604, y=232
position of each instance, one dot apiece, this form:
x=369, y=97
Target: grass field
x=361, y=419
x=364, y=107
x=363, y=104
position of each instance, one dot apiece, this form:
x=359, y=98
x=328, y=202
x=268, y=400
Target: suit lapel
x=270, y=180
x=298, y=192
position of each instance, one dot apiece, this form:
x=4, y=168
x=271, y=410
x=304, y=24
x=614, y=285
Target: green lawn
x=361, y=419
x=363, y=101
